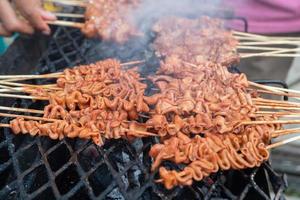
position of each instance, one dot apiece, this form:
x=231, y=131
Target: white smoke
x=151, y=10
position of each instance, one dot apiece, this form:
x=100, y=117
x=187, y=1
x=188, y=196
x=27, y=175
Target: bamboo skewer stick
x=278, y=107
x=248, y=34
x=278, y=144
x=4, y=125
x=271, y=42
x=272, y=53
x=266, y=48
x=276, y=113
x=26, y=90
x=28, y=85
x=242, y=39
x=275, y=104
x=281, y=116
x=69, y=2
x=8, y=88
x=278, y=93
x=52, y=75
x=22, y=97
x=9, y=78
x=274, y=88
x=257, y=36
x=285, y=103
x=133, y=62
x=25, y=110
x=66, y=23
x=140, y=132
x=285, y=132
x=275, y=101
x=270, y=122
x=28, y=117
x=72, y=15
x=15, y=90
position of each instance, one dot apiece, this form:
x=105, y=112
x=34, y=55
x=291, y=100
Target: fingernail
x=48, y=15
x=46, y=32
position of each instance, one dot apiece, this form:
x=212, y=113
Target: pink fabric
x=268, y=16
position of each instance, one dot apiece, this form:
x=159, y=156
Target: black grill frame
x=69, y=176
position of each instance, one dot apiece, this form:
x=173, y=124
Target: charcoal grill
x=39, y=168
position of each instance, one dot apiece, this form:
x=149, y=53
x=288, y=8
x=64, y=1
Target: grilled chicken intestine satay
x=208, y=100
x=110, y=20
x=205, y=155
x=105, y=126
x=196, y=41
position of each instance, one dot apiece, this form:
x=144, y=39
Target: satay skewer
x=9, y=78
x=292, y=93
x=71, y=15
x=276, y=113
x=275, y=101
x=259, y=103
x=28, y=85
x=254, y=48
x=22, y=96
x=140, y=132
x=285, y=132
x=277, y=53
x=277, y=107
x=270, y=122
x=263, y=37
x=281, y=143
x=273, y=88
x=4, y=125
x=22, y=77
x=273, y=55
x=77, y=3
x=242, y=39
x=277, y=93
x=279, y=116
x=66, y=23
x=28, y=117
x=271, y=42
x=279, y=103
x=25, y=110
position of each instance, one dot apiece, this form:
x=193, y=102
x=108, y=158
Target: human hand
x=33, y=17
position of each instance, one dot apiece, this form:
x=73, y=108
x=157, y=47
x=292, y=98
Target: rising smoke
x=151, y=10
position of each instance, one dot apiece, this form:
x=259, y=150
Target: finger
x=4, y=32
x=47, y=16
x=10, y=21
x=33, y=12
x=36, y=20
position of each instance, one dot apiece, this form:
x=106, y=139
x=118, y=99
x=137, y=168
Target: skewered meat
x=100, y=97
x=108, y=128
x=207, y=100
x=103, y=85
x=204, y=156
x=196, y=41
x=110, y=20
x=195, y=113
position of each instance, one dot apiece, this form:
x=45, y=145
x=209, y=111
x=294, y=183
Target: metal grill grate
x=39, y=168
